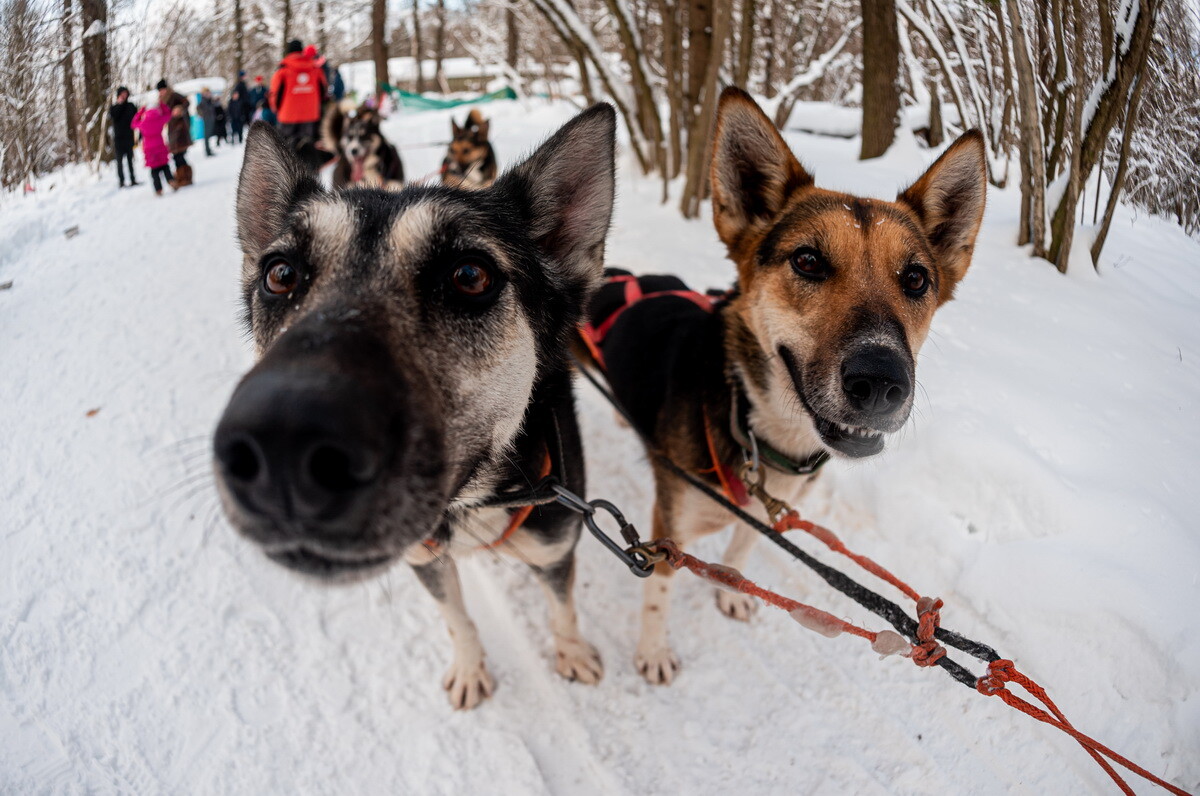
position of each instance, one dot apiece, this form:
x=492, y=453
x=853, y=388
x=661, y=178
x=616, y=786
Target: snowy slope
x=1044, y=488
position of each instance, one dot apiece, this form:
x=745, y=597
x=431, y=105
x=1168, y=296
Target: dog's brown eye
x=281, y=278
x=915, y=281
x=809, y=263
x=472, y=278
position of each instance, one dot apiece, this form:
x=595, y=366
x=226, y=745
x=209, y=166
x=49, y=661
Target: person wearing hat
x=121, y=114
x=297, y=90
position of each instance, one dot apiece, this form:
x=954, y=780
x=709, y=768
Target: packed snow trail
x=1044, y=488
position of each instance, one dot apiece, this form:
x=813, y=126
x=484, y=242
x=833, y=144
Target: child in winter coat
x=150, y=121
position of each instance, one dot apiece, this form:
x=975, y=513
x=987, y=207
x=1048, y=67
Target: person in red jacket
x=297, y=91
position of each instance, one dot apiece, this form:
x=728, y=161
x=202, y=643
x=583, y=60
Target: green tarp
x=416, y=102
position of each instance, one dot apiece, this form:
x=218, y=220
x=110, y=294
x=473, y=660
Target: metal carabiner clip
x=637, y=557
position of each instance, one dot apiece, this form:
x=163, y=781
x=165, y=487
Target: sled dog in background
x=364, y=157
x=413, y=366
x=812, y=353
x=470, y=162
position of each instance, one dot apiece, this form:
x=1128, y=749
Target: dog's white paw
x=575, y=659
x=468, y=684
x=658, y=665
x=736, y=606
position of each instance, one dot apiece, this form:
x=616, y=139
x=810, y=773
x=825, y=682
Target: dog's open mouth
x=854, y=441
x=306, y=561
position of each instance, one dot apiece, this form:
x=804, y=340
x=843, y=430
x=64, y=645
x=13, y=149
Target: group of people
x=169, y=115
x=293, y=103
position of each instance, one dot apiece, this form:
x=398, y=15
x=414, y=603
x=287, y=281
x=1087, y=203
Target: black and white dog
x=364, y=157
x=412, y=364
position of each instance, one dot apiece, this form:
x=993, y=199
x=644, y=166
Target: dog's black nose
x=302, y=450
x=876, y=381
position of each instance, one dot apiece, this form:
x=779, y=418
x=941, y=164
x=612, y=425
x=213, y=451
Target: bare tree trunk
x=1104, y=14
x=1000, y=139
x=769, y=50
x=672, y=59
x=512, y=55
x=585, y=75
x=1062, y=236
x=439, y=46
x=937, y=129
x=741, y=71
x=239, y=35
x=379, y=47
x=287, y=24
x=1033, y=169
x=700, y=135
x=881, y=71
x=1118, y=181
x=1125, y=66
x=96, y=79
x=418, y=53
x=700, y=35
x=570, y=29
x=322, y=33
x=68, y=68
x=647, y=107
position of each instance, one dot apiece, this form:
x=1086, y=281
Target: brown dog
x=470, y=161
x=812, y=353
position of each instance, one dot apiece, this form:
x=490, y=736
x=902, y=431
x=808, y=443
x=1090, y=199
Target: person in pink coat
x=150, y=121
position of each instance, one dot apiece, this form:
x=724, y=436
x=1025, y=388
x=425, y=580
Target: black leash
x=874, y=602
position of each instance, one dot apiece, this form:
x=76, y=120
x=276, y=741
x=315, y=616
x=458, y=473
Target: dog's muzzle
x=873, y=398
x=300, y=451
x=315, y=446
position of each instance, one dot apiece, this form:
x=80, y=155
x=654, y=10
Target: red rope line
x=811, y=617
x=1003, y=671
x=927, y=652
x=791, y=520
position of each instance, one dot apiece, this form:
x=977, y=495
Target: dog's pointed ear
x=455, y=130
x=566, y=190
x=948, y=200
x=481, y=132
x=753, y=170
x=272, y=181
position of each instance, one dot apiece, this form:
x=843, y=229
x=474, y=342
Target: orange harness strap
x=733, y=487
x=520, y=515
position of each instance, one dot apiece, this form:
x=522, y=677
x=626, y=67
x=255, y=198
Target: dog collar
x=755, y=449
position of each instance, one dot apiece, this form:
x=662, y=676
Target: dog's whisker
x=517, y=467
x=199, y=489
x=211, y=523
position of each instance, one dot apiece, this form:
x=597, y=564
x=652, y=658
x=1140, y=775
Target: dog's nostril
x=241, y=461
x=895, y=394
x=859, y=389
x=330, y=468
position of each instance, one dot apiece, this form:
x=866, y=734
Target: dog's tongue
x=356, y=169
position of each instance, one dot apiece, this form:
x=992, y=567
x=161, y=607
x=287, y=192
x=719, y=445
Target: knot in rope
x=999, y=673
x=927, y=652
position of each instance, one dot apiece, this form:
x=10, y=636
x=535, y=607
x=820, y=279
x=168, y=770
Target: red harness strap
x=516, y=520
x=593, y=336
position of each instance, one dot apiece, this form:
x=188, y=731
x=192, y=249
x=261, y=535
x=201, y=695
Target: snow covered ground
x=1045, y=488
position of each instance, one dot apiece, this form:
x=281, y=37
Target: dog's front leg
x=575, y=658
x=654, y=657
x=468, y=682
